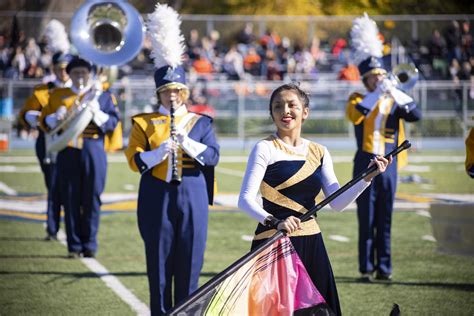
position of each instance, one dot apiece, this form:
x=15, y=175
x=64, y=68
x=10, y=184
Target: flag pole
x=279, y=234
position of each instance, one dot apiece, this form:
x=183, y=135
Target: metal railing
x=242, y=106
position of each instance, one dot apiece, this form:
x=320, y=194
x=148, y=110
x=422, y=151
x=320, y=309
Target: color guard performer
x=82, y=165
x=176, y=152
x=378, y=117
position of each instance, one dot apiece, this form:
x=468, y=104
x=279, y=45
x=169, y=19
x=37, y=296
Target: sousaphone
x=107, y=33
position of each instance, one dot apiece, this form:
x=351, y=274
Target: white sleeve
x=193, y=148
x=31, y=117
x=331, y=185
x=400, y=97
x=256, y=167
x=370, y=100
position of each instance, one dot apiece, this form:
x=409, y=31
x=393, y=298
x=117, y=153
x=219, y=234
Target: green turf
x=37, y=279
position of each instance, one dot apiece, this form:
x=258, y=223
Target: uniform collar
x=179, y=112
x=81, y=91
x=61, y=84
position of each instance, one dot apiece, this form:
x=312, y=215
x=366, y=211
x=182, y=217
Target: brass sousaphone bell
x=107, y=33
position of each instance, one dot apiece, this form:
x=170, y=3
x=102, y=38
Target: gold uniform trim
x=308, y=228
x=272, y=195
x=312, y=163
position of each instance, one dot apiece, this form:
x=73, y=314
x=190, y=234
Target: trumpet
x=175, y=177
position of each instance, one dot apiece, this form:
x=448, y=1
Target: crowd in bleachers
x=447, y=55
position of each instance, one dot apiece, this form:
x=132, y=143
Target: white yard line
x=238, y=159
x=112, y=282
x=5, y=188
x=230, y=172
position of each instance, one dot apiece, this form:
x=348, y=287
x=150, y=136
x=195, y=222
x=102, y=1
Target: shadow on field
x=33, y=257
x=468, y=287
x=21, y=239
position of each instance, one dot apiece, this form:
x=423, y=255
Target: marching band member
x=29, y=114
x=82, y=165
x=470, y=153
x=172, y=218
x=378, y=117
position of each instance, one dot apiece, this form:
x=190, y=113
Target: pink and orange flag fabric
x=274, y=282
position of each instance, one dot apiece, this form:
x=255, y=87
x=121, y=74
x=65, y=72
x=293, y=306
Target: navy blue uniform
x=378, y=131
x=173, y=219
x=36, y=102
x=82, y=168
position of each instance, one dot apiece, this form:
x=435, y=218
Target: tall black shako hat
x=61, y=59
x=77, y=61
x=163, y=27
x=367, y=46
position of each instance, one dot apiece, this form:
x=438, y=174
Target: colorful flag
x=274, y=282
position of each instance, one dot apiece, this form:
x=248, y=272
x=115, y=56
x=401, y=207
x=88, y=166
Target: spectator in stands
x=338, y=49
x=245, y=38
x=33, y=70
x=18, y=63
x=466, y=41
x=233, y=64
x=32, y=50
x=4, y=55
x=438, y=53
x=270, y=40
x=305, y=62
x=272, y=69
x=202, y=65
x=349, y=73
x=193, y=43
x=252, y=62
x=453, y=41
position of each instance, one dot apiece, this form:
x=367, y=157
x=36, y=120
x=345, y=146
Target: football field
x=36, y=277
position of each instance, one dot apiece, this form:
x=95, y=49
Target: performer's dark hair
x=302, y=95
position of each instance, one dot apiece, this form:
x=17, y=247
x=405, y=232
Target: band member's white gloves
x=153, y=157
x=190, y=146
x=100, y=117
x=400, y=97
x=53, y=119
x=31, y=117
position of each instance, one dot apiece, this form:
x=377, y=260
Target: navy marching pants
x=374, y=213
x=82, y=181
x=173, y=224
x=53, y=211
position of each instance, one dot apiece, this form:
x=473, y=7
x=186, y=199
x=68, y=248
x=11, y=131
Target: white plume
x=163, y=27
x=56, y=35
x=365, y=39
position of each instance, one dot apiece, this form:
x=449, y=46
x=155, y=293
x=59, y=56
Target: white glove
x=61, y=112
x=94, y=105
x=31, y=117
x=51, y=120
x=386, y=85
x=100, y=118
x=153, y=157
x=400, y=97
x=190, y=146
